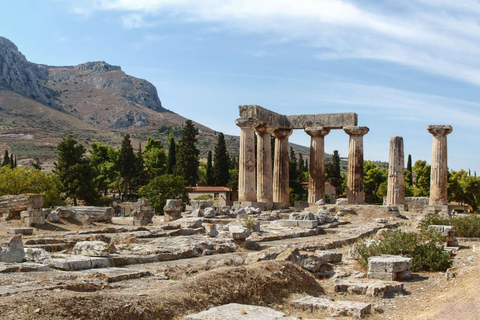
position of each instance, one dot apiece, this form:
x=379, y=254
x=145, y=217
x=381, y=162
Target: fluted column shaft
x=281, y=175
x=316, y=182
x=355, y=191
x=396, y=179
x=264, y=164
x=246, y=161
x=439, y=173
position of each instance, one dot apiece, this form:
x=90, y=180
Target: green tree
x=126, y=163
x=139, y=177
x=296, y=190
x=6, y=159
x=209, y=179
x=422, y=178
x=464, y=188
x=30, y=180
x=221, y=162
x=187, y=156
x=408, y=172
x=171, y=156
x=74, y=172
x=333, y=173
x=154, y=158
x=373, y=178
x=164, y=187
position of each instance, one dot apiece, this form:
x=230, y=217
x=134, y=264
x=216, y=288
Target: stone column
x=439, y=173
x=355, y=193
x=264, y=164
x=396, y=179
x=281, y=175
x=246, y=162
x=316, y=182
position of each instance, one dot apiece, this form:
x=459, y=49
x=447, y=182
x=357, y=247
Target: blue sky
x=400, y=65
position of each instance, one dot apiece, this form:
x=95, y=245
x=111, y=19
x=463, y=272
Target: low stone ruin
x=142, y=213
x=172, y=210
x=388, y=267
x=448, y=232
x=24, y=207
x=87, y=214
x=12, y=251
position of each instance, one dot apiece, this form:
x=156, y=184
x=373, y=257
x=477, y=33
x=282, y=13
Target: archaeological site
x=259, y=258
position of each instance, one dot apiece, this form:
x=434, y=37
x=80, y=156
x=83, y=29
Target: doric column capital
x=246, y=122
x=437, y=130
x=264, y=128
x=317, y=131
x=356, y=130
x=282, y=133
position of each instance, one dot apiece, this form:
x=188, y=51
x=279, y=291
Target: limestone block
x=388, y=267
x=197, y=213
x=91, y=249
x=329, y=256
x=211, y=230
x=309, y=224
x=209, y=212
x=12, y=205
x=171, y=215
x=291, y=254
x=235, y=311
x=64, y=212
x=140, y=222
x=23, y=231
x=12, y=251
x=201, y=204
x=333, y=308
x=341, y=201
x=36, y=255
x=371, y=288
x=253, y=210
x=87, y=213
x=53, y=217
x=23, y=267
x=32, y=217
x=73, y=263
x=305, y=215
x=324, y=216
x=239, y=233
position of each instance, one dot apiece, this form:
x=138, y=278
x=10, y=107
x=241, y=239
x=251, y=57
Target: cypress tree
x=126, y=163
x=139, y=176
x=409, y=177
x=6, y=159
x=187, y=156
x=335, y=177
x=220, y=162
x=210, y=180
x=12, y=161
x=171, y=156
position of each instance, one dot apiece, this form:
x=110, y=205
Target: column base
x=441, y=210
x=399, y=207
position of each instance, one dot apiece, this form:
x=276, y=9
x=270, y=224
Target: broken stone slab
x=115, y=274
x=53, y=217
x=32, y=217
x=74, y=262
x=23, y=267
x=309, y=224
x=305, y=215
x=239, y=232
x=376, y=288
x=309, y=262
x=201, y=204
x=329, y=256
x=187, y=223
x=341, y=201
x=140, y=222
x=333, y=308
x=13, y=251
x=12, y=205
x=209, y=212
x=324, y=216
x=389, y=267
x=235, y=311
x=87, y=213
x=91, y=249
x=211, y=230
x=23, y=231
x=36, y=255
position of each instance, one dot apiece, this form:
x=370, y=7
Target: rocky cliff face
x=22, y=76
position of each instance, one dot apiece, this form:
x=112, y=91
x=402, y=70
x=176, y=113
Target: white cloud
x=440, y=37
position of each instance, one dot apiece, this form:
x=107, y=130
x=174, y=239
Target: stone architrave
x=246, y=165
x=355, y=192
x=281, y=175
x=316, y=182
x=396, y=179
x=439, y=173
x=264, y=164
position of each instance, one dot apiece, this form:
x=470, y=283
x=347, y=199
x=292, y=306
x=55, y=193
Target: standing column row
x=281, y=173
x=355, y=191
x=316, y=181
x=264, y=164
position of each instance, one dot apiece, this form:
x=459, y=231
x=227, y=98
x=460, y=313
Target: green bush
x=468, y=226
x=422, y=247
x=204, y=197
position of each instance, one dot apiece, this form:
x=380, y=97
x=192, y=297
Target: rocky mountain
x=94, y=101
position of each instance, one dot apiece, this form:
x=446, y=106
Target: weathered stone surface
x=374, y=288
x=246, y=160
x=23, y=267
x=12, y=205
x=333, y=308
x=309, y=224
x=142, y=213
x=439, y=170
x=24, y=231
x=36, y=255
x=341, y=201
x=388, y=267
x=325, y=217
x=209, y=212
x=355, y=192
x=91, y=249
x=32, y=217
x=396, y=179
x=329, y=256
x=281, y=175
x=201, y=204
x=12, y=251
x=305, y=215
x=239, y=233
x=264, y=164
x=87, y=213
x=118, y=274
x=235, y=311
x=316, y=182
x=73, y=262
x=53, y=217
x=211, y=230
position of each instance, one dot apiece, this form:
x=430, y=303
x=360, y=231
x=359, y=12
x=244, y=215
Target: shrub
x=204, y=197
x=468, y=226
x=422, y=247
x=248, y=222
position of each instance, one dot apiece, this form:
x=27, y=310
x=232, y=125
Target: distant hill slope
x=94, y=101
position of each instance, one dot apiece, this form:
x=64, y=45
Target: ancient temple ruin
x=256, y=183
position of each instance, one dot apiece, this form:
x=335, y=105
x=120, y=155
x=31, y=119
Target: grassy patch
x=29, y=149
x=422, y=247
